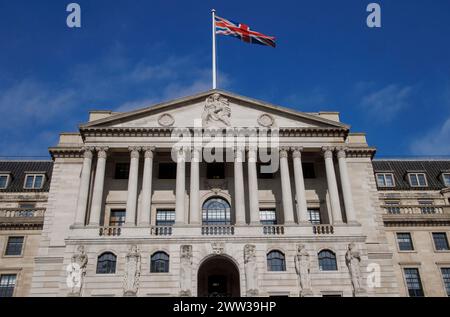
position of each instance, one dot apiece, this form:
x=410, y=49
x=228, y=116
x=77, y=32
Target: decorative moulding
x=266, y=120
x=166, y=120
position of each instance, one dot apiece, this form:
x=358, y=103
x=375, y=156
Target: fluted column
x=253, y=186
x=239, y=202
x=346, y=187
x=97, y=194
x=302, y=207
x=332, y=186
x=130, y=216
x=83, y=191
x=286, y=187
x=180, y=187
x=146, y=202
x=194, y=196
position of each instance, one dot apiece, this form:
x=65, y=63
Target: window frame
x=411, y=239
x=441, y=268
x=443, y=179
x=271, y=265
x=335, y=260
x=167, y=221
x=406, y=281
x=392, y=204
x=416, y=174
x=16, y=279
x=265, y=222
x=8, y=179
x=166, y=262
x=385, y=185
x=310, y=220
x=34, y=175
x=117, y=223
x=98, y=261
x=21, y=250
x=207, y=220
x=434, y=241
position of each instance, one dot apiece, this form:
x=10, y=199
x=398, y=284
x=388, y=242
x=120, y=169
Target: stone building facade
x=146, y=203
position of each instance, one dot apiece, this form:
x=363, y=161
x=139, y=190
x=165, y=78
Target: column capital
x=180, y=153
x=239, y=152
x=102, y=151
x=149, y=151
x=134, y=151
x=284, y=151
x=327, y=151
x=342, y=152
x=87, y=151
x=252, y=154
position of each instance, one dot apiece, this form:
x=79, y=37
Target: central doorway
x=218, y=276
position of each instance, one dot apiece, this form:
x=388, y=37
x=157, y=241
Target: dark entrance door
x=218, y=277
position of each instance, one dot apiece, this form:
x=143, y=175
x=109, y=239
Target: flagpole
x=214, y=69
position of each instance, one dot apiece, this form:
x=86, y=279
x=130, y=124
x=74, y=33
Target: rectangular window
x=393, y=207
x=413, y=282
x=405, y=241
x=314, y=216
x=308, y=170
x=117, y=218
x=268, y=216
x=122, y=171
x=14, y=246
x=4, y=181
x=446, y=179
x=165, y=217
x=426, y=207
x=446, y=277
x=440, y=241
x=167, y=171
x=7, y=285
x=385, y=180
x=34, y=181
x=417, y=180
x=215, y=170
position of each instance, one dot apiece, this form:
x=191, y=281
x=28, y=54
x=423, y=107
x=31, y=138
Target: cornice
x=66, y=152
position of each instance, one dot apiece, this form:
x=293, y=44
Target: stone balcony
x=20, y=218
x=415, y=214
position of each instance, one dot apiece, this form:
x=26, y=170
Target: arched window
x=327, y=261
x=276, y=261
x=106, y=263
x=216, y=211
x=159, y=262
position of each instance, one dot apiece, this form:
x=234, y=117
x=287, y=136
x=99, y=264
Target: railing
x=161, y=230
x=110, y=231
x=415, y=209
x=22, y=213
x=323, y=229
x=218, y=230
x=273, y=230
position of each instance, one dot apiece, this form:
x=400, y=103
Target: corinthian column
x=253, y=186
x=144, y=217
x=286, y=187
x=332, y=186
x=194, y=196
x=302, y=208
x=97, y=194
x=239, y=202
x=130, y=215
x=83, y=191
x=346, y=187
x=180, y=187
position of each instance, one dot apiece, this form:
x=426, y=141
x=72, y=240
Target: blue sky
x=392, y=83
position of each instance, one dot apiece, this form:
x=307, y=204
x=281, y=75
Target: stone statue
x=302, y=266
x=251, y=270
x=76, y=271
x=217, y=112
x=132, y=272
x=186, y=271
x=353, y=259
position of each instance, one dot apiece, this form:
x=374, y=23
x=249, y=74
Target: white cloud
x=435, y=142
x=384, y=104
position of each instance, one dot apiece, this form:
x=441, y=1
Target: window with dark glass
x=268, y=216
x=393, y=207
x=14, y=246
x=413, y=282
x=165, y=217
x=215, y=170
x=308, y=170
x=417, y=180
x=440, y=241
x=276, y=261
x=426, y=207
x=446, y=179
x=122, y=171
x=167, y=170
x=4, y=181
x=117, y=218
x=34, y=181
x=106, y=263
x=405, y=241
x=159, y=262
x=216, y=211
x=446, y=278
x=7, y=285
x=385, y=180
x=327, y=261
x=314, y=216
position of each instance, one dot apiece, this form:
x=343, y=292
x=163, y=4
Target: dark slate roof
x=17, y=171
x=400, y=168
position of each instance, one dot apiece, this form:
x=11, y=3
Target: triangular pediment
x=215, y=108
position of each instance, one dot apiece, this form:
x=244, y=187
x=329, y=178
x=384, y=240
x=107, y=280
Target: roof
x=17, y=171
x=400, y=168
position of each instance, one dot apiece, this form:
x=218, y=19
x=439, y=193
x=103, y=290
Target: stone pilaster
x=144, y=217
x=83, y=192
x=239, y=202
x=253, y=186
x=302, y=207
x=180, y=187
x=97, y=194
x=194, y=195
x=346, y=187
x=332, y=185
x=286, y=186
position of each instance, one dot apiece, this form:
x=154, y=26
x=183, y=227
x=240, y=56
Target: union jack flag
x=242, y=32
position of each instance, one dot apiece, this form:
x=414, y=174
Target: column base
x=353, y=223
x=360, y=293
x=306, y=293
